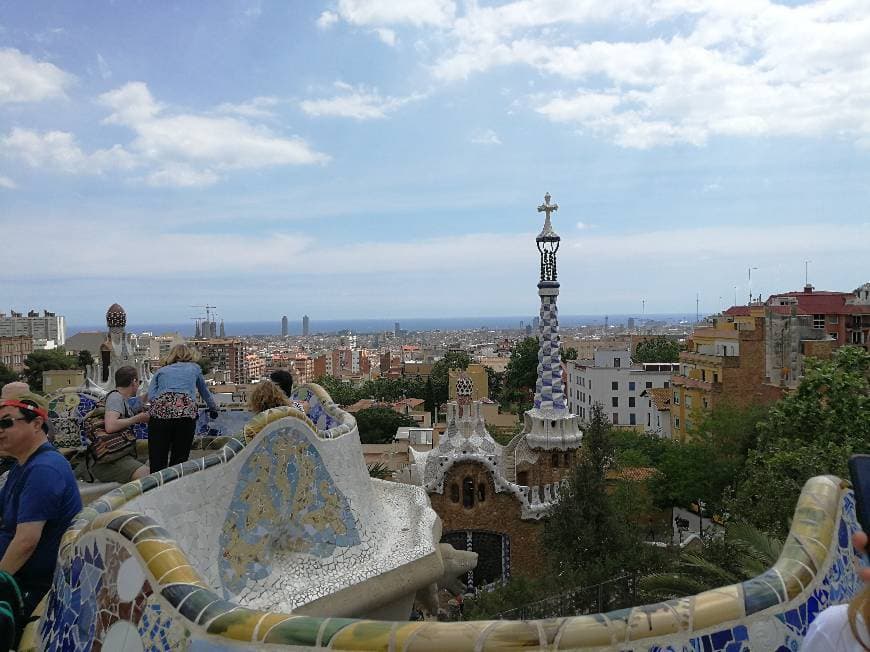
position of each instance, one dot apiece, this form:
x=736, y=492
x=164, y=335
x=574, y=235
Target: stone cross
x=547, y=207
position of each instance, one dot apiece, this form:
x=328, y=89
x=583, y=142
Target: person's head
x=266, y=395
x=14, y=389
x=283, y=379
x=23, y=424
x=182, y=353
x=127, y=380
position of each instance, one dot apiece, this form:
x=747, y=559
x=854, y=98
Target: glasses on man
x=8, y=422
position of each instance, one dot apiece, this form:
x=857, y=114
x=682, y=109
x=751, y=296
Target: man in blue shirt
x=38, y=501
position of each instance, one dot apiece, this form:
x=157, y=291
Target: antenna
x=750, y=284
x=807, y=272
x=697, y=307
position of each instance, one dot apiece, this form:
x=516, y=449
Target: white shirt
x=830, y=632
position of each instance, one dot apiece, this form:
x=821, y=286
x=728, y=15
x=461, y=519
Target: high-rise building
x=305, y=325
x=45, y=326
x=284, y=329
x=397, y=329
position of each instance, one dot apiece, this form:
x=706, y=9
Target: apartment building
x=227, y=354
x=14, y=351
x=611, y=379
x=45, y=326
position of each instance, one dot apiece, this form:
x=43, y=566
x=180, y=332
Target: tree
x=7, y=375
x=440, y=375
x=744, y=553
x=494, y=381
x=812, y=431
x=46, y=360
x=658, y=349
x=521, y=373
x=342, y=393
x=568, y=354
x=380, y=471
x=589, y=535
x=378, y=425
x=429, y=396
x=85, y=359
x=205, y=364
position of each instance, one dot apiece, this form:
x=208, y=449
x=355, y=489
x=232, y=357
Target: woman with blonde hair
x=843, y=627
x=172, y=394
x=265, y=396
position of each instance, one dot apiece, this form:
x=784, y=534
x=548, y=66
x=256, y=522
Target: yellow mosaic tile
x=363, y=636
x=267, y=622
x=150, y=548
x=165, y=561
x=591, y=631
x=438, y=637
x=660, y=619
x=185, y=574
x=403, y=632
x=238, y=625
x=506, y=636
x=717, y=606
x=795, y=575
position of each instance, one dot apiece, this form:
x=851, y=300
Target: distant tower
x=548, y=424
x=223, y=330
x=284, y=330
x=306, y=325
x=197, y=333
x=397, y=330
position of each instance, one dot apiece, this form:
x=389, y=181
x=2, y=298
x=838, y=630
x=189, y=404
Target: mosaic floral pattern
x=66, y=410
x=302, y=512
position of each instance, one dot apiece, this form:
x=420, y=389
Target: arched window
x=523, y=478
x=468, y=493
x=567, y=458
x=481, y=491
x=454, y=492
x=555, y=460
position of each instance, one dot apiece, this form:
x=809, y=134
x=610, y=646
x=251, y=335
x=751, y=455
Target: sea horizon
x=379, y=325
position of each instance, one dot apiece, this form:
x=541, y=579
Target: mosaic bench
x=290, y=522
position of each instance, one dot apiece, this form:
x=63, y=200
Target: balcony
x=710, y=360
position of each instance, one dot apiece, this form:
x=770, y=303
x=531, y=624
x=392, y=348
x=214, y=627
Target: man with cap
x=38, y=501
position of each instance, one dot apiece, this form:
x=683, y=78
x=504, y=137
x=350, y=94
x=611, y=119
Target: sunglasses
x=8, y=422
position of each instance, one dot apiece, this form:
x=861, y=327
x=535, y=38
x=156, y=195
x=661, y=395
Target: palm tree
x=744, y=553
x=380, y=470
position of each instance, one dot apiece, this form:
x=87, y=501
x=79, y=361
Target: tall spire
x=549, y=391
x=549, y=424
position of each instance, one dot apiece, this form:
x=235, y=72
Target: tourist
x=38, y=501
x=172, y=395
x=266, y=395
x=843, y=627
x=14, y=389
x=283, y=379
x=124, y=466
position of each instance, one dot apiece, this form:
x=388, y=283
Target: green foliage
x=379, y=470
x=205, y=363
x=517, y=592
x=440, y=376
x=7, y=375
x=658, y=349
x=39, y=361
x=591, y=535
x=633, y=448
x=812, y=431
x=521, y=373
x=495, y=381
x=743, y=553
x=568, y=354
x=85, y=359
x=378, y=425
x=342, y=393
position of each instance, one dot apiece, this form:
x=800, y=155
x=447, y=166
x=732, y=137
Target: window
x=468, y=493
x=676, y=423
x=567, y=458
x=590, y=384
x=523, y=478
x=676, y=398
x=554, y=460
x=614, y=401
x=481, y=492
x=715, y=377
x=818, y=321
x=706, y=403
x=648, y=419
x=833, y=319
x=617, y=362
x=454, y=492
x=667, y=384
x=688, y=400
x=631, y=386
x=614, y=385
x=615, y=419
x=704, y=375
x=649, y=384
x=632, y=421
x=631, y=401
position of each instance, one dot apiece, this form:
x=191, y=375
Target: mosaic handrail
x=815, y=568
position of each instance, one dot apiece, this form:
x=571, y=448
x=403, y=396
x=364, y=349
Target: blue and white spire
x=549, y=424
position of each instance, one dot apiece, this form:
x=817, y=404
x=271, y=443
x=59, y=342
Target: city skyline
x=377, y=159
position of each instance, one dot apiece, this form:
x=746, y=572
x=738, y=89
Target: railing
x=618, y=593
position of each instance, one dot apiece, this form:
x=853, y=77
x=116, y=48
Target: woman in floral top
x=172, y=394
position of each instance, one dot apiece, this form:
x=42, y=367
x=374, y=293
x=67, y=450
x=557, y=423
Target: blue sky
x=373, y=158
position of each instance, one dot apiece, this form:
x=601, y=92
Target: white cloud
x=58, y=150
x=200, y=146
x=485, y=137
x=438, y=13
x=23, y=79
x=7, y=183
x=387, y=36
x=327, y=19
x=358, y=103
x=259, y=107
x=582, y=225
x=698, y=69
x=103, y=66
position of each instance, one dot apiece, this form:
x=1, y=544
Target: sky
x=374, y=158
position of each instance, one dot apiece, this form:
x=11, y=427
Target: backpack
x=100, y=443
